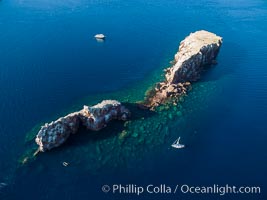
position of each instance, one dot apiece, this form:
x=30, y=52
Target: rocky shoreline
x=93, y=118
x=196, y=51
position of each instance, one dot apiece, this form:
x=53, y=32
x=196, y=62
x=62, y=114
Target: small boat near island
x=2, y=185
x=177, y=144
x=100, y=36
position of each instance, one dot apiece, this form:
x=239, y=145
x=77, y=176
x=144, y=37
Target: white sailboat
x=177, y=144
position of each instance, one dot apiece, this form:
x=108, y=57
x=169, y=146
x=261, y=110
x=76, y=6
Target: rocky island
x=93, y=118
x=196, y=51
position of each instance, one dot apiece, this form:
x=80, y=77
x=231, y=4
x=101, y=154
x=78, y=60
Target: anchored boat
x=177, y=144
x=100, y=36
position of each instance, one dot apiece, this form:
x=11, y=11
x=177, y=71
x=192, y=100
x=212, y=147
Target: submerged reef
x=93, y=118
x=195, y=52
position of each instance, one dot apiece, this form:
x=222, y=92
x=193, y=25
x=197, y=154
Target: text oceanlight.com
x=182, y=189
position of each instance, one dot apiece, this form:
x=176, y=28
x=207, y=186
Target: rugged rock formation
x=93, y=118
x=195, y=52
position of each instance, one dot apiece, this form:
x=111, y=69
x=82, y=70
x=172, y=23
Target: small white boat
x=2, y=185
x=65, y=164
x=177, y=144
x=100, y=36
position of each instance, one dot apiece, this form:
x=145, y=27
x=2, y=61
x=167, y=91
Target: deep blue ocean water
x=50, y=64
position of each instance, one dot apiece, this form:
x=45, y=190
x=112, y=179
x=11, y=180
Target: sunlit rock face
x=195, y=52
x=97, y=117
x=93, y=118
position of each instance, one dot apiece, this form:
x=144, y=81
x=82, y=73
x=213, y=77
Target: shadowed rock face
x=93, y=118
x=195, y=52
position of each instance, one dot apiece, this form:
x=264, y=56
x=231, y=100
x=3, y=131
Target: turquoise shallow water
x=51, y=65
